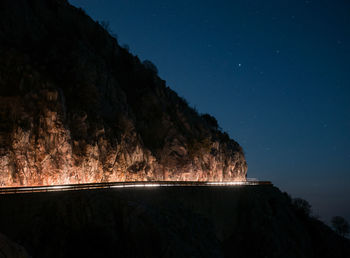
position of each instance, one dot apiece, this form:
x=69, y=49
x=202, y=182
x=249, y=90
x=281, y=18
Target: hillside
x=251, y=221
x=75, y=107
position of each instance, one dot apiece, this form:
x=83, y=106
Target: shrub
x=210, y=120
x=126, y=47
x=150, y=66
x=81, y=10
x=340, y=225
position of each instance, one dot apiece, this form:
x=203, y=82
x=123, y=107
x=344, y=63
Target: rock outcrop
x=75, y=107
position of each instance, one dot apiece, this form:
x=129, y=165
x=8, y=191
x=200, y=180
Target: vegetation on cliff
x=77, y=107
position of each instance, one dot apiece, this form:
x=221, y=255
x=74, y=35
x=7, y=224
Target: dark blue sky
x=276, y=75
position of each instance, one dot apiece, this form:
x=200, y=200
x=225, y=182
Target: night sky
x=276, y=75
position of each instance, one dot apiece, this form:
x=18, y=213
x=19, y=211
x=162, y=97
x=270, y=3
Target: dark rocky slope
x=251, y=221
x=76, y=107
x=10, y=249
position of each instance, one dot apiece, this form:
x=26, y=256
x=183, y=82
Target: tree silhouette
x=302, y=207
x=340, y=225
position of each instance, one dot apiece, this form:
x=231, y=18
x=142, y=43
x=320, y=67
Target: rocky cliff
x=75, y=107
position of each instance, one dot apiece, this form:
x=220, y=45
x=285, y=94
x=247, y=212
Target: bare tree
x=302, y=206
x=105, y=25
x=340, y=225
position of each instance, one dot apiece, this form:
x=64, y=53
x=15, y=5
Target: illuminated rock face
x=45, y=153
x=78, y=108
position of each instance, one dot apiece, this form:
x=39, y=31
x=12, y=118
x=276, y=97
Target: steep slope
x=76, y=107
x=251, y=221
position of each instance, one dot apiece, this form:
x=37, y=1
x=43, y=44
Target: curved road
x=111, y=185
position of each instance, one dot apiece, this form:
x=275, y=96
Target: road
x=111, y=185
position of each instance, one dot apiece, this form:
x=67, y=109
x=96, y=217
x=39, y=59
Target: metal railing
x=133, y=184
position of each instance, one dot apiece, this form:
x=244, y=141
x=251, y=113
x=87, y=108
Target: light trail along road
x=111, y=185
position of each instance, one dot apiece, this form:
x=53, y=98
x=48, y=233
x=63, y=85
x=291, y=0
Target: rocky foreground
x=76, y=107
x=251, y=221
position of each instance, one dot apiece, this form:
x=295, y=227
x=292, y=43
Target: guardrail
x=134, y=184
